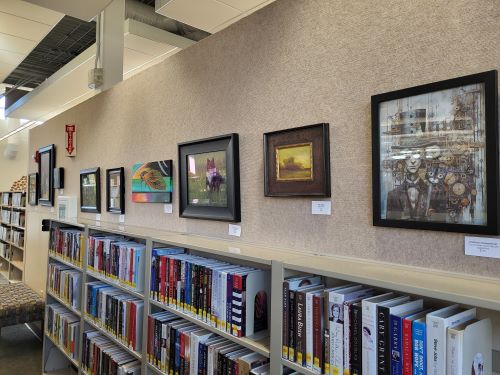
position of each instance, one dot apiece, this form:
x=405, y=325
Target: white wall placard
x=61, y=191
x=98, y=217
x=168, y=208
x=321, y=207
x=234, y=230
x=482, y=247
x=121, y=218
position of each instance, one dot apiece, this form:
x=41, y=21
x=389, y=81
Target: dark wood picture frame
x=121, y=172
x=33, y=202
x=97, y=206
x=488, y=80
x=230, y=145
x=58, y=178
x=51, y=151
x=316, y=139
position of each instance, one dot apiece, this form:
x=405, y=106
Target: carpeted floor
x=20, y=351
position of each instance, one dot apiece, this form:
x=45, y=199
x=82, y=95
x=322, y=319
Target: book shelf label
x=482, y=247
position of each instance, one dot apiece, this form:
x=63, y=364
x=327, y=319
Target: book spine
x=326, y=354
x=317, y=334
x=454, y=353
x=396, y=338
x=356, y=346
x=285, y=322
x=369, y=338
x=292, y=327
x=383, y=358
x=419, y=348
x=308, y=317
x=407, y=346
x=347, y=338
x=300, y=330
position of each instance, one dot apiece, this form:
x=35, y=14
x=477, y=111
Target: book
x=437, y=324
x=250, y=361
x=356, y=364
x=303, y=309
x=419, y=339
x=384, y=311
x=407, y=345
x=469, y=348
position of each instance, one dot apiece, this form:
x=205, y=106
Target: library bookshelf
x=437, y=286
x=12, y=235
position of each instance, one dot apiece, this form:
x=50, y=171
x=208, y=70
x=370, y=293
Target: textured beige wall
x=13, y=170
x=293, y=63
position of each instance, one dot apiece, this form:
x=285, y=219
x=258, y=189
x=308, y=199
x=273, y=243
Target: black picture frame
x=46, y=163
x=109, y=207
x=33, y=195
x=58, y=178
x=315, y=139
x=487, y=135
x=95, y=205
x=229, y=144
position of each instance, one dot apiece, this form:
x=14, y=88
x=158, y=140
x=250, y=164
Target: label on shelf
x=321, y=207
x=482, y=247
x=121, y=219
x=168, y=208
x=98, y=217
x=234, y=230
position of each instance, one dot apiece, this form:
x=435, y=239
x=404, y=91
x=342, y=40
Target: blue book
x=419, y=347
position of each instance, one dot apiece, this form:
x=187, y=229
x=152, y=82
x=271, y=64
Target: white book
x=369, y=334
x=469, y=348
x=437, y=323
x=309, y=328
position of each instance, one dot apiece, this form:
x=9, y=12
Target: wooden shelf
x=63, y=302
x=114, y=283
x=112, y=338
x=18, y=264
x=67, y=263
x=448, y=286
x=74, y=361
x=257, y=343
x=297, y=367
x=17, y=227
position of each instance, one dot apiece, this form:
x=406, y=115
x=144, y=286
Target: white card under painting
x=432, y=155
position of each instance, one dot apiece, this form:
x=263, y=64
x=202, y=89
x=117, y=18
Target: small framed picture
x=209, y=179
x=435, y=156
x=115, y=190
x=90, y=190
x=297, y=162
x=33, y=189
x=152, y=182
x=47, y=157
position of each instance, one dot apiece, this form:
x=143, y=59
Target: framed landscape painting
x=115, y=190
x=90, y=190
x=152, y=182
x=435, y=156
x=297, y=162
x=46, y=164
x=209, y=179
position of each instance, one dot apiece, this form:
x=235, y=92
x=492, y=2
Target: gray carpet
x=20, y=351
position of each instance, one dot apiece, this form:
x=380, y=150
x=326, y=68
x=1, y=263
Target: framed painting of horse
x=209, y=179
x=297, y=162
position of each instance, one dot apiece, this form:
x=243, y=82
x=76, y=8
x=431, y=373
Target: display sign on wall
x=70, y=145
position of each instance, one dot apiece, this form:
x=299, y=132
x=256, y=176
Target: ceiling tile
x=11, y=58
x=22, y=27
x=30, y=11
x=16, y=44
x=146, y=46
x=204, y=15
x=5, y=70
x=243, y=5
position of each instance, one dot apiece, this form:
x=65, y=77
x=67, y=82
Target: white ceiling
x=22, y=27
x=209, y=15
x=144, y=46
x=84, y=10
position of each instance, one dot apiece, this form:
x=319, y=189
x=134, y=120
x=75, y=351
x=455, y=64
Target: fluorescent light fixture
x=20, y=128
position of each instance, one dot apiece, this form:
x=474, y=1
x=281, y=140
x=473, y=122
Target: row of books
x=63, y=328
x=6, y=201
x=18, y=200
x=65, y=282
x=355, y=329
x=17, y=218
x=5, y=216
x=117, y=312
x=17, y=237
x=117, y=259
x=178, y=346
x=230, y=297
x=67, y=244
x=5, y=251
x=5, y=233
x=101, y=356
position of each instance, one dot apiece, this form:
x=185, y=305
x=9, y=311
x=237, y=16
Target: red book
x=237, y=289
x=318, y=331
x=407, y=349
x=171, y=281
x=183, y=345
x=131, y=339
x=99, y=256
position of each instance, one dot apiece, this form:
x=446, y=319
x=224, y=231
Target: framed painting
x=33, y=189
x=209, y=179
x=435, y=156
x=297, y=162
x=115, y=190
x=46, y=162
x=90, y=190
x=152, y=182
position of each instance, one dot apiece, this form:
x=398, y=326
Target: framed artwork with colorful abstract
x=297, y=162
x=209, y=179
x=435, y=156
x=152, y=182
